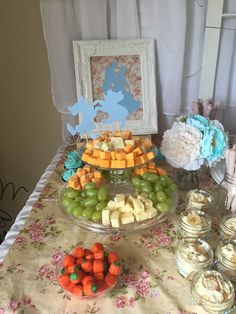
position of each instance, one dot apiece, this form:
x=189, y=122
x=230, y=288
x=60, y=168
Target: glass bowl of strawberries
x=89, y=272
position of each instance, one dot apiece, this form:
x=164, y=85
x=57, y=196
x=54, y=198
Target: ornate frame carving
x=84, y=50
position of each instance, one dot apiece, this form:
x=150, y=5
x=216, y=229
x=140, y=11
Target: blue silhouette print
x=112, y=105
x=117, y=81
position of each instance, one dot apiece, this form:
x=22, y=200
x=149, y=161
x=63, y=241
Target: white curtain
x=176, y=25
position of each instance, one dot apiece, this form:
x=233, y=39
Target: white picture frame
x=88, y=55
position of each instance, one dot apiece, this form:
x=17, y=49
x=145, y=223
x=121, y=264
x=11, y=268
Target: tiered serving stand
x=117, y=181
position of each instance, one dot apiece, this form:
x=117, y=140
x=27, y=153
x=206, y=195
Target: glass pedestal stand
x=119, y=182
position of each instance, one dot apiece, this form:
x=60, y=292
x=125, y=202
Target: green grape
x=152, y=177
x=163, y=207
x=158, y=187
x=71, y=193
x=87, y=212
x=146, y=189
x=66, y=201
x=84, y=193
x=153, y=198
x=79, y=199
x=138, y=189
x=90, y=185
x=161, y=197
x=90, y=201
x=97, y=216
x=173, y=187
x=101, y=205
x=77, y=212
x=102, y=194
x=91, y=192
x=168, y=201
x=136, y=181
x=167, y=192
x=145, y=175
x=72, y=205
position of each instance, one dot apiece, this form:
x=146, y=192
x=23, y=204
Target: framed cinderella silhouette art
x=120, y=72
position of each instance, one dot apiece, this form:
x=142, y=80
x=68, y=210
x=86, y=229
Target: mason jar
x=228, y=227
x=214, y=292
x=193, y=255
x=195, y=224
x=226, y=199
x=225, y=261
x=200, y=199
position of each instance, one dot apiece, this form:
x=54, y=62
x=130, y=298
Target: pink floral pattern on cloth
x=150, y=282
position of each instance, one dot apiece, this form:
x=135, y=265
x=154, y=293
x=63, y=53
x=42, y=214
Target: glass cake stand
x=125, y=228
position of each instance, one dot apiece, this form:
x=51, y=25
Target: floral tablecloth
x=150, y=283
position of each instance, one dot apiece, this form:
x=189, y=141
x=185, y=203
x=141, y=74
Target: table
x=150, y=284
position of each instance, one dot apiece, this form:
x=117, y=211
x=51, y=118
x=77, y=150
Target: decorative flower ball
x=193, y=141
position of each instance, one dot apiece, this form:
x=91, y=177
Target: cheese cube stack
x=85, y=175
x=124, y=210
x=150, y=167
x=118, y=150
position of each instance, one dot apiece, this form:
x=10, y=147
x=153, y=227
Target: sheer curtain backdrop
x=176, y=25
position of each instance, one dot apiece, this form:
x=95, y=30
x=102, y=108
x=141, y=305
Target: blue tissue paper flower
x=213, y=143
x=198, y=122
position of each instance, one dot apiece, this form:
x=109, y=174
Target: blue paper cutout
x=117, y=81
x=88, y=110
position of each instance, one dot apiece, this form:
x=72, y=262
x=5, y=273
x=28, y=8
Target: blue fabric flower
x=198, y=122
x=213, y=143
x=67, y=174
x=73, y=164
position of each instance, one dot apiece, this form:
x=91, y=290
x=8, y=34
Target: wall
x=29, y=123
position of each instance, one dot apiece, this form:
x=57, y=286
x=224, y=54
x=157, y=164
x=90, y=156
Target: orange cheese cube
x=131, y=156
x=104, y=163
x=92, y=161
x=120, y=156
x=142, y=170
x=128, y=148
x=87, y=168
x=144, y=158
x=97, y=182
x=130, y=163
x=121, y=163
x=89, y=145
x=136, y=139
x=150, y=155
x=151, y=165
x=138, y=161
x=97, y=174
x=74, y=178
x=105, y=155
x=114, y=163
x=96, y=153
x=113, y=155
x=147, y=143
x=138, y=151
x=161, y=171
x=85, y=157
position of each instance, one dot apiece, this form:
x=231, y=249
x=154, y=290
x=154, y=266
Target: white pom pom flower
x=181, y=146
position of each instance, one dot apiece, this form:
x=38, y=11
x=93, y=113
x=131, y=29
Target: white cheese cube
x=117, y=142
x=106, y=217
x=141, y=216
x=148, y=203
x=115, y=218
x=127, y=208
x=142, y=199
x=138, y=206
x=120, y=200
x=144, y=195
x=130, y=142
x=106, y=146
x=112, y=205
x=152, y=212
x=130, y=199
x=127, y=218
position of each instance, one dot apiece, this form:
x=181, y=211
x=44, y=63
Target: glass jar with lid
x=226, y=200
x=195, y=224
x=200, y=199
x=193, y=255
x=228, y=227
x=226, y=259
x=214, y=292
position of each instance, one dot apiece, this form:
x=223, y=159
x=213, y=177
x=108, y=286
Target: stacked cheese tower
x=118, y=150
x=85, y=175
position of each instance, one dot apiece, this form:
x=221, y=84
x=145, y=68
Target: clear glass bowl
x=59, y=266
x=228, y=227
x=206, y=201
x=126, y=228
